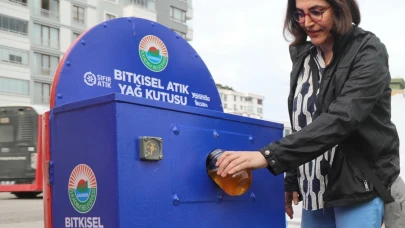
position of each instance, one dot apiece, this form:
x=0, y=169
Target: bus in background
x=20, y=153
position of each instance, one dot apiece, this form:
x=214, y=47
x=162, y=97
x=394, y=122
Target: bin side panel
x=83, y=153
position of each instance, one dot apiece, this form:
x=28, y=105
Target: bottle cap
x=212, y=159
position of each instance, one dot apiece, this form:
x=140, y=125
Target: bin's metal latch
x=150, y=148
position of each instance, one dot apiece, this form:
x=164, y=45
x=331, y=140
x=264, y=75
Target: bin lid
x=135, y=57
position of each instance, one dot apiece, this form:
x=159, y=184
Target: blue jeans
x=366, y=215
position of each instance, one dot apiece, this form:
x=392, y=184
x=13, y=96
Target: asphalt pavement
x=21, y=213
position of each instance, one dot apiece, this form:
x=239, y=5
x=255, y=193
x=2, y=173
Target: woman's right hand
x=289, y=198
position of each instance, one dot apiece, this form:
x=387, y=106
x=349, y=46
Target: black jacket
x=354, y=105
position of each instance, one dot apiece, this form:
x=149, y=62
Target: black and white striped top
x=312, y=176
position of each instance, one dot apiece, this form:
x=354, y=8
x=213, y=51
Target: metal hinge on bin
x=49, y=172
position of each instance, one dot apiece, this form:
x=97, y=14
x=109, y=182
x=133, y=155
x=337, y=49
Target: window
x=148, y=4
x=11, y=85
x=46, y=8
x=143, y=3
x=249, y=109
x=259, y=101
x=225, y=97
x=178, y=15
x=248, y=99
x=45, y=64
x=182, y=34
x=21, y=2
x=234, y=107
x=234, y=98
x=46, y=36
x=259, y=110
x=109, y=16
x=15, y=59
x=78, y=14
x=13, y=25
x=42, y=92
x=75, y=36
x=287, y=132
x=13, y=56
x=52, y=5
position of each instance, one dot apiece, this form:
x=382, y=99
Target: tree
x=220, y=86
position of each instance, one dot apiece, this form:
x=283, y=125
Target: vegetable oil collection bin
x=134, y=114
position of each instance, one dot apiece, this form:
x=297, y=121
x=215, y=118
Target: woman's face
x=316, y=18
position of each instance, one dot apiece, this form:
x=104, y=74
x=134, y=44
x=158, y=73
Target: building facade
x=397, y=86
x=239, y=103
x=398, y=118
x=34, y=35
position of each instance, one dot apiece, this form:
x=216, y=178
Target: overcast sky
x=241, y=43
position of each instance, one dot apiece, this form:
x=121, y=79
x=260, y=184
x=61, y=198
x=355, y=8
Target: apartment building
x=174, y=14
x=34, y=35
x=240, y=103
x=397, y=86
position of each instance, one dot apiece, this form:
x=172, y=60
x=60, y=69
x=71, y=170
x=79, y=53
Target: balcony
x=41, y=99
x=78, y=22
x=42, y=42
x=15, y=9
x=80, y=1
x=14, y=69
x=19, y=2
x=43, y=71
x=190, y=34
x=184, y=22
x=145, y=9
x=145, y=4
x=51, y=15
x=14, y=31
x=189, y=13
x=14, y=57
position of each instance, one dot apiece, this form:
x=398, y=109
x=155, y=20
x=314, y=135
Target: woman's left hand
x=231, y=162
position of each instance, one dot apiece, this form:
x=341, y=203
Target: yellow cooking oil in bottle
x=234, y=185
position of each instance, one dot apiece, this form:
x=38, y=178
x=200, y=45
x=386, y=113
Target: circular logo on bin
x=153, y=53
x=82, y=188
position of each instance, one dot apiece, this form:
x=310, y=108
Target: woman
x=339, y=106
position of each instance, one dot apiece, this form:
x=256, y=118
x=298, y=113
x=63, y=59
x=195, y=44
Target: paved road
x=20, y=213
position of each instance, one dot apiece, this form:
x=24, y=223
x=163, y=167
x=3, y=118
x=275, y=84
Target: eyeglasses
x=315, y=14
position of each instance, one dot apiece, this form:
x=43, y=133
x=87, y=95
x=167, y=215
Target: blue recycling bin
x=134, y=114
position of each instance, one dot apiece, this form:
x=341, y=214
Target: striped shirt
x=312, y=176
